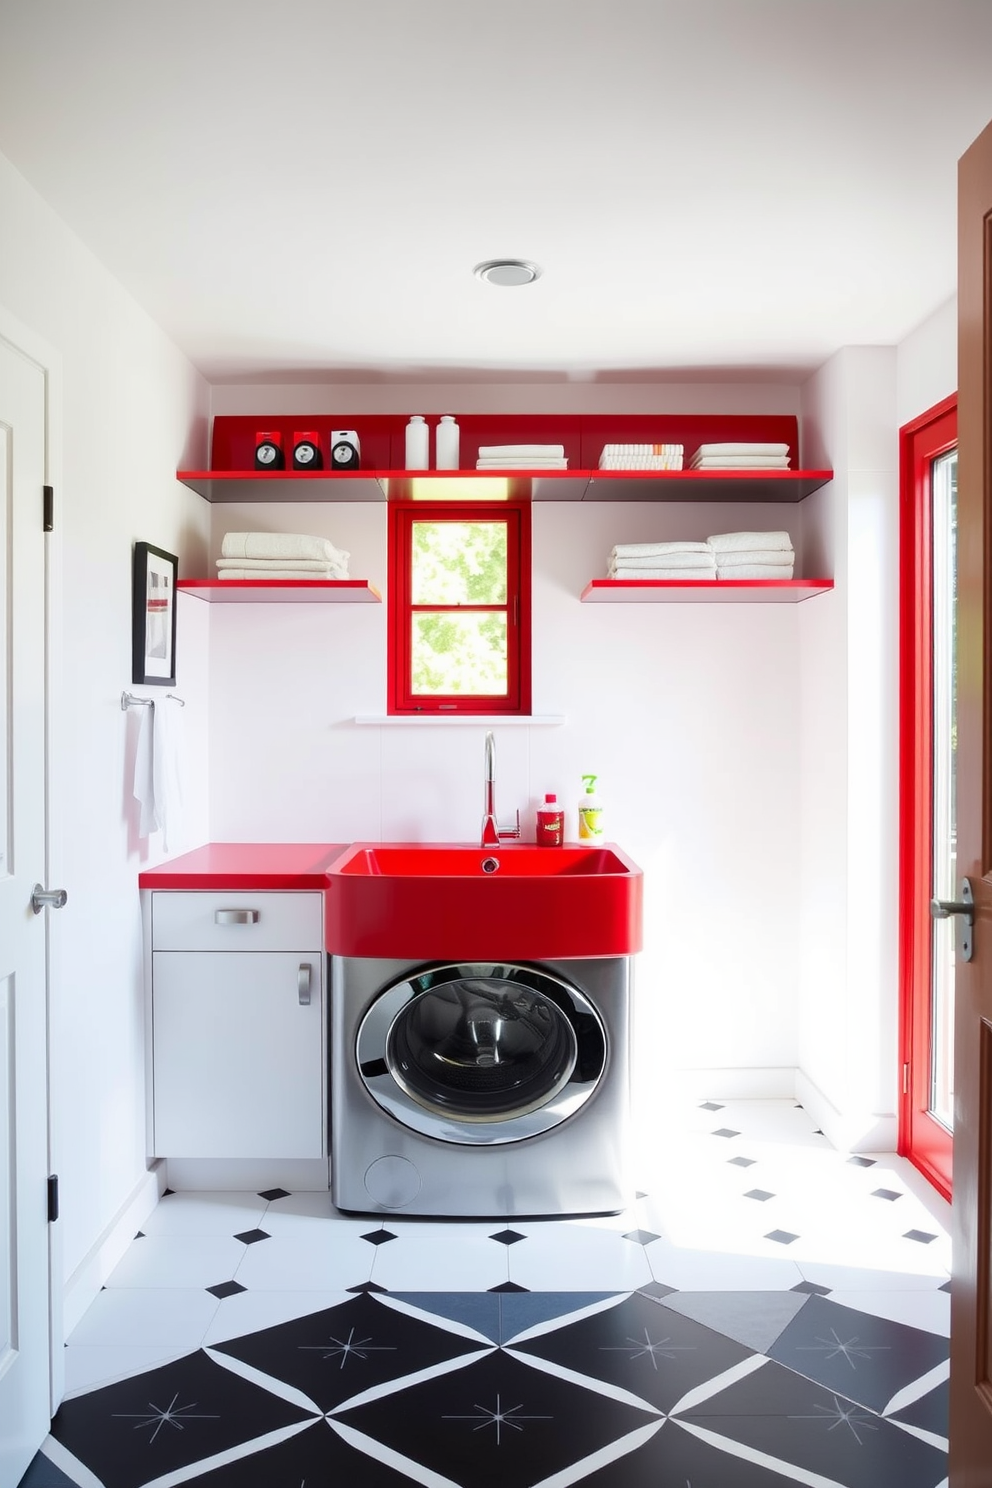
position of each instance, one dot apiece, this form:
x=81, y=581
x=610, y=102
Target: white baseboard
x=848, y=1131
x=773, y=1082
x=249, y=1175
x=91, y=1273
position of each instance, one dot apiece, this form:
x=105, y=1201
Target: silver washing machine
x=480, y=1088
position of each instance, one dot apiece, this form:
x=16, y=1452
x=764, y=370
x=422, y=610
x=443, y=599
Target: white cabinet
x=238, y=1026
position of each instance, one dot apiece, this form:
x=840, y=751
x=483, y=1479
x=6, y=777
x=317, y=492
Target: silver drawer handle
x=235, y=916
x=303, y=984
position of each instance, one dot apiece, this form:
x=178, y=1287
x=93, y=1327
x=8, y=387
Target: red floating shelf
x=708, y=591
x=281, y=591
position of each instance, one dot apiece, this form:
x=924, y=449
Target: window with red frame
x=459, y=607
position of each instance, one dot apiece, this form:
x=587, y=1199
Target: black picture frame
x=153, y=616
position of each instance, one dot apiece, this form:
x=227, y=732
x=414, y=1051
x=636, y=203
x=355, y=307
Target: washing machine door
x=481, y=1052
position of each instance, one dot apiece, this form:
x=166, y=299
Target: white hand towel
x=728, y=542
x=295, y=565
x=757, y=571
x=143, y=788
x=754, y=555
x=283, y=573
x=281, y=545
x=665, y=560
x=522, y=462
x=651, y=549
x=739, y=462
x=688, y=575
x=513, y=451
x=167, y=769
x=742, y=447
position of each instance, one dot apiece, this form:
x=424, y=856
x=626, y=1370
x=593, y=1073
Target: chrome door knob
x=54, y=898
x=943, y=909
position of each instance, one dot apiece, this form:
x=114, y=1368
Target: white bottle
x=446, y=444
x=417, y=443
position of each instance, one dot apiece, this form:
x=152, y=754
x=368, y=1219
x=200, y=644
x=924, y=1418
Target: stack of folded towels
x=752, y=555
x=521, y=457
x=746, y=455
x=280, y=555
x=641, y=457
x=665, y=560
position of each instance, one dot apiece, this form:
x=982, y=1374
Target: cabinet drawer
x=238, y=921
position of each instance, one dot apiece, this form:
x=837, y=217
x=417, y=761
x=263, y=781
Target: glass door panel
x=943, y=487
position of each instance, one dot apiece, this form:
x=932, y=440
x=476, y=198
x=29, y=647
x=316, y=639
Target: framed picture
x=153, y=616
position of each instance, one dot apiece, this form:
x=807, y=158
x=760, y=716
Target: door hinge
x=48, y=509
x=53, y=1197
x=905, y=1079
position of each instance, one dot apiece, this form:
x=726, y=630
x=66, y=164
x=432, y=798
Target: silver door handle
x=235, y=916
x=54, y=898
x=303, y=984
x=942, y=909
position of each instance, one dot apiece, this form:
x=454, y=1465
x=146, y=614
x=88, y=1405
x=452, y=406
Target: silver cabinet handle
x=54, y=898
x=235, y=916
x=303, y=984
x=942, y=909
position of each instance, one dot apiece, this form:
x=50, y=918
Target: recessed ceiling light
x=507, y=271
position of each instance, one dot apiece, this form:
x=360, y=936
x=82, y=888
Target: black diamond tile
x=44, y=1474
x=496, y=1422
x=336, y=1354
x=656, y=1289
x=367, y=1286
x=781, y=1237
x=811, y=1288
x=886, y=1193
x=315, y=1455
x=252, y=1237
x=153, y=1424
x=652, y=1352
x=945, y=1287
x=862, y=1162
x=641, y=1237
x=139, y=1234
x=226, y=1289
x=817, y=1132
x=798, y=1423
x=274, y=1193
x=379, y=1237
x=710, y=1106
x=742, y=1162
x=922, y=1236
x=725, y=1131
x=761, y=1194
x=508, y=1237
x=508, y=1286
x=866, y=1358
x=930, y=1412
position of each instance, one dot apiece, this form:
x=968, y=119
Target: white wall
x=131, y=409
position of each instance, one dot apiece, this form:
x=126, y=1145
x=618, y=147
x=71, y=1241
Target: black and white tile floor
x=769, y=1311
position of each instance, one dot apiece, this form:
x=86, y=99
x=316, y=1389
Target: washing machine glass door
x=481, y=1052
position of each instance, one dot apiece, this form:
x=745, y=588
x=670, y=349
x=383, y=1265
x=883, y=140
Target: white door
x=24, y=1227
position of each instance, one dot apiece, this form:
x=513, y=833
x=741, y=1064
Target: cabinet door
x=239, y=1054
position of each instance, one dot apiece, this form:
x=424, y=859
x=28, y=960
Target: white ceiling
x=300, y=190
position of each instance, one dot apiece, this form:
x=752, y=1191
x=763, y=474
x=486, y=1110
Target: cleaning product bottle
x=446, y=440
x=550, y=823
x=590, y=813
x=417, y=437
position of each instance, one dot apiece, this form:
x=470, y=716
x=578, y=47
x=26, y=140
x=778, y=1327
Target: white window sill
x=489, y=720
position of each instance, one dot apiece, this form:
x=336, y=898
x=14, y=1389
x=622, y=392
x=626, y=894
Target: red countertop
x=247, y=865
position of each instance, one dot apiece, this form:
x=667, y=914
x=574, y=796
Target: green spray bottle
x=591, y=822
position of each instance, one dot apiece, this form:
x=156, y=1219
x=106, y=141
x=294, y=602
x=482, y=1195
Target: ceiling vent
x=507, y=271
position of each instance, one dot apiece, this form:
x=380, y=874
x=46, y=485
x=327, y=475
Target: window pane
x=945, y=879
x=454, y=653
x=458, y=563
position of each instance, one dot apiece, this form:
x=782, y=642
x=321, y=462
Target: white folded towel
x=739, y=462
x=729, y=542
x=652, y=549
x=687, y=575
x=514, y=451
x=328, y=571
x=742, y=447
x=665, y=560
x=281, y=545
x=754, y=555
x=297, y=565
x=757, y=571
x=522, y=462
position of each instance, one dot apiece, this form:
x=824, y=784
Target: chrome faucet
x=492, y=832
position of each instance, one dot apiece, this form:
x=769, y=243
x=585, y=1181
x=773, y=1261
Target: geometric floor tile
x=755, y=1319
x=674, y=1456
x=314, y=1455
x=930, y=1412
x=500, y=1316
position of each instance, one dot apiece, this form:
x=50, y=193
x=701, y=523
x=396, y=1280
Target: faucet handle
x=510, y=831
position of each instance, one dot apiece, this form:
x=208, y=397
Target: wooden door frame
x=922, y=1140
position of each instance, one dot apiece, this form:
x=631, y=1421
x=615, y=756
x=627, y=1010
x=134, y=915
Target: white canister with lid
x=446, y=442
x=417, y=443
